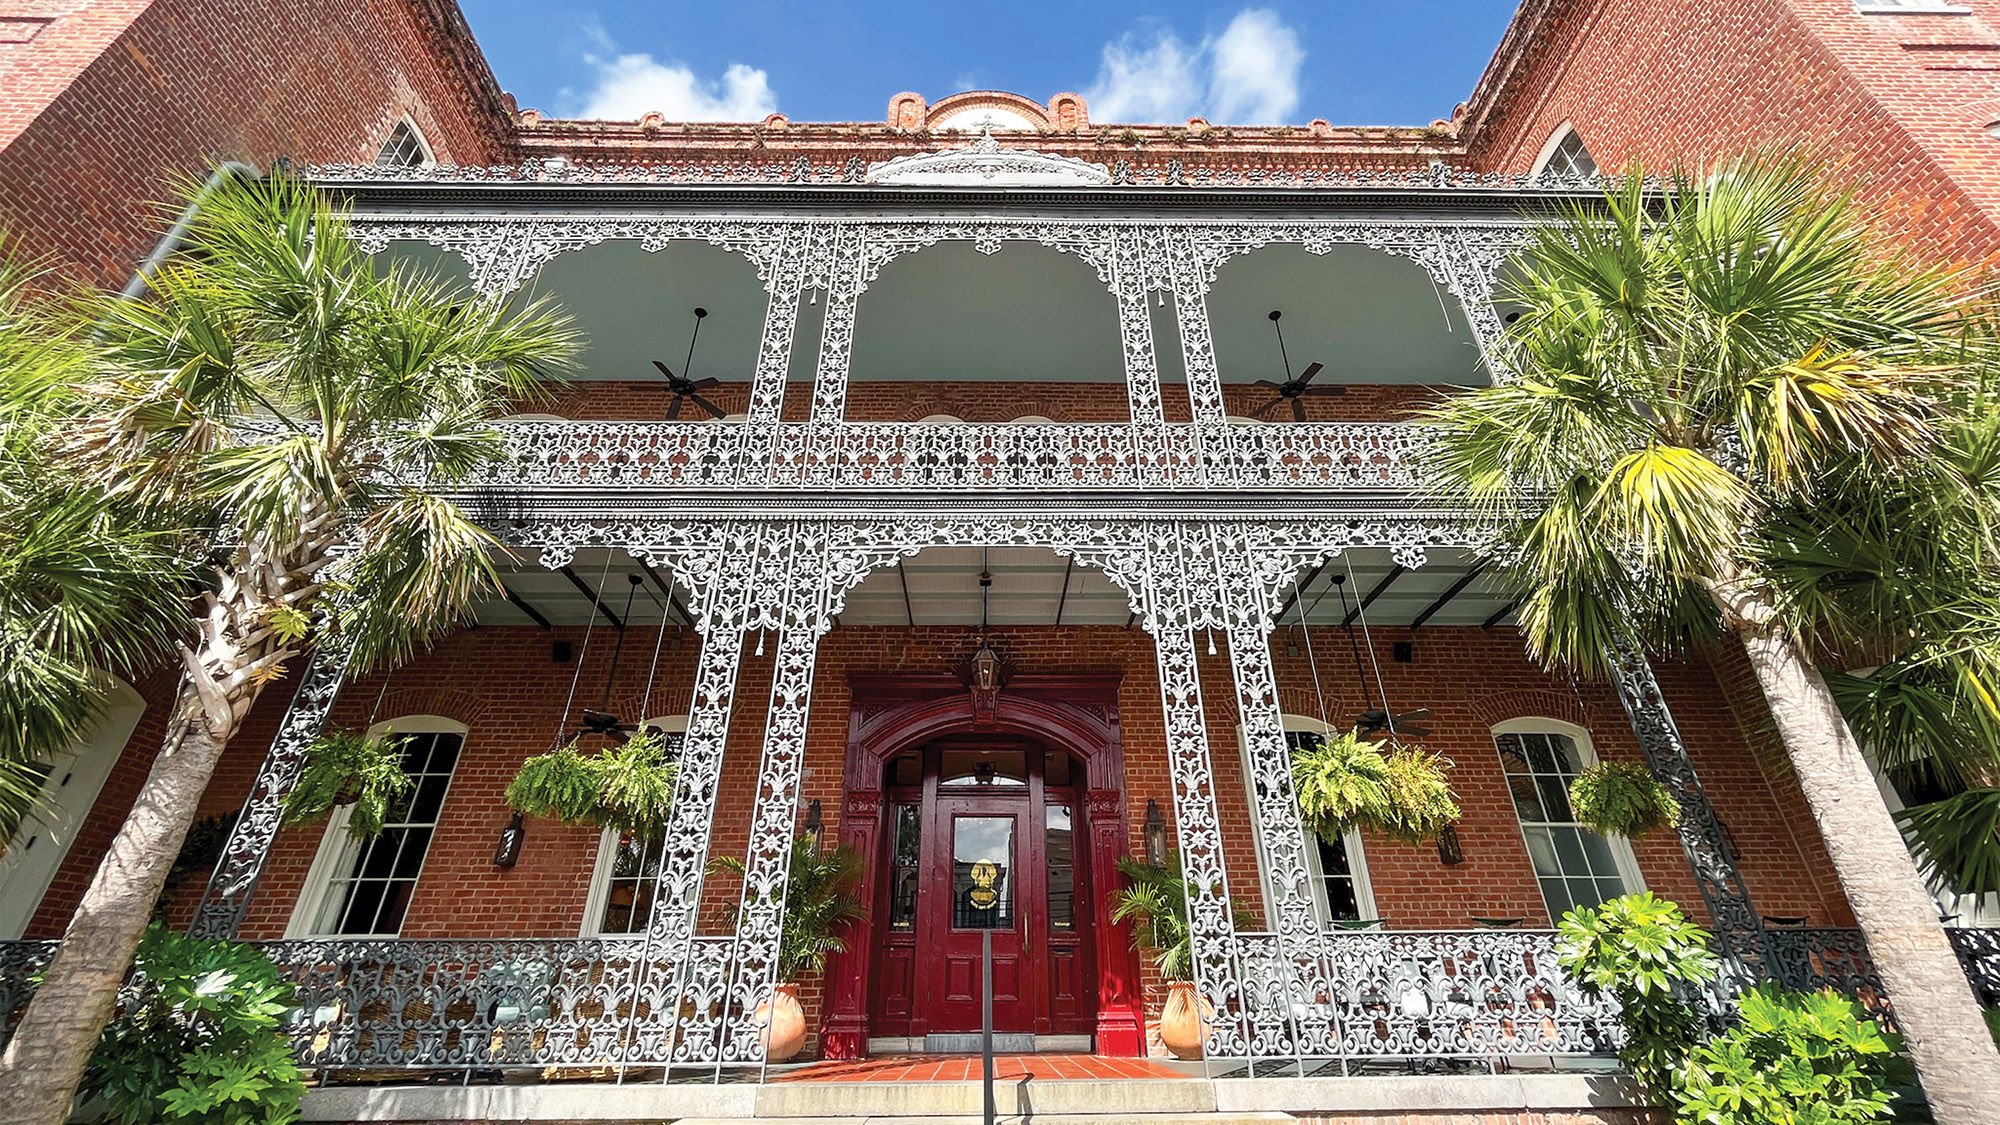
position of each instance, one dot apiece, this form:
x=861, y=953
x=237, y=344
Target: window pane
x=1540, y=757
x=1527, y=802
x=1061, y=855
x=905, y=850
x=984, y=767
x=1598, y=850
x=982, y=869
x=1569, y=849
x=1542, y=851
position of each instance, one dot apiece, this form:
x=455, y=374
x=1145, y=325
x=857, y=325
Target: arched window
x=1564, y=157
x=1575, y=866
x=1338, y=869
x=940, y=420
x=506, y=419
x=362, y=888
x=628, y=867
x=405, y=147
x=36, y=847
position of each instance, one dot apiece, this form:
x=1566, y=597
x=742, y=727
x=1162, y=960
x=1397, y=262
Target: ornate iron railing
x=1474, y=995
x=1979, y=950
x=1483, y=997
x=1024, y=456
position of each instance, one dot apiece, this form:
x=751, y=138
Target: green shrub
x=1344, y=781
x=629, y=787
x=1622, y=798
x=202, y=1041
x=1644, y=953
x=347, y=768
x=1793, y=1058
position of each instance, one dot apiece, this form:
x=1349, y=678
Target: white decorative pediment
x=984, y=163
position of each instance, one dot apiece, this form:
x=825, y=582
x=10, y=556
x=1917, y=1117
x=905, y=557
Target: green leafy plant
x=1157, y=900
x=1793, y=1058
x=1644, y=953
x=348, y=768
x=821, y=901
x=1344, y=781
x=1958, y=841
x=1622, y=798
x=629, y=787
x=559, y=784
x=201, y=1040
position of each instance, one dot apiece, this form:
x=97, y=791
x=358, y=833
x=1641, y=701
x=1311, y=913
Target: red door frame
x=891, y=714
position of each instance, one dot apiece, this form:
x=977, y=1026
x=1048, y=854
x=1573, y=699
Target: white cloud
x=1249, y=74
x=1145, y=77
x=629, y=86
x=1254, y=68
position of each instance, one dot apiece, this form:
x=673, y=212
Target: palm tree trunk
x=45, y=1059
x=1941, y=1021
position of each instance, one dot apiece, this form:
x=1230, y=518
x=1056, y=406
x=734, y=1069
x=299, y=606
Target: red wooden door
x=982, y=883
x=982, y=837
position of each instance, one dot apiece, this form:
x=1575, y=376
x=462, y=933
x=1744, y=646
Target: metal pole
x=986, y=1015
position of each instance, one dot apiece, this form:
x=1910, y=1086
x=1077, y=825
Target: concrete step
x=1023, y=1119
x=1081, y=1097
x=1110, y=1118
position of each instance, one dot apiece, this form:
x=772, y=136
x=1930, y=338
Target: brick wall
x=502, y=683
x=1900, y=100
x=108, y=103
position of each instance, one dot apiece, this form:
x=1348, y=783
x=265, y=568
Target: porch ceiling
x=1031, y=586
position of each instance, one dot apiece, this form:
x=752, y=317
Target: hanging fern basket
x=349, y=768
x=629, y=787
x=1623, y=799
x=1402, y=791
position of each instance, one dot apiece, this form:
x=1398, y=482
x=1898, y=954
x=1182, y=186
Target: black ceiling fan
x=1294, y=388
x=1377, y=722
x=685, y=389
x=1368, y=724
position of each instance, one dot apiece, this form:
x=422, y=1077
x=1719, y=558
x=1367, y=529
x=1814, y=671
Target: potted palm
x=821, y=900
x=1157, y=901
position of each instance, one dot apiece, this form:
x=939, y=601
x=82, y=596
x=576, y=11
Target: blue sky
x=1353, y=62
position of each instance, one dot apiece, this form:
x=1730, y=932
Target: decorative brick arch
x=1530, y=703
x=1029, y=108
x=1078, y=714
x=444, y=702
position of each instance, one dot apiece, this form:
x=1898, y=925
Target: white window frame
x=596, y=898
x=1621, y=848
x=70, y=791
x=1562, y=133
x=333, y=843
x=404, y=121
x=1357, y=858
x=1972, y=909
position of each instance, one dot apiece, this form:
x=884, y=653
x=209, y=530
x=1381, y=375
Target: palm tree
x=85, y=588
x=286, y=396
x=1710, y=379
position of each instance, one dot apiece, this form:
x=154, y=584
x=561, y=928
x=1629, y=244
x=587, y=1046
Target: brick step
x=1107, y=1118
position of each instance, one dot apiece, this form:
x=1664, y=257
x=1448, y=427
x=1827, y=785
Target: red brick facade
x=504, y=686
x=105, y=105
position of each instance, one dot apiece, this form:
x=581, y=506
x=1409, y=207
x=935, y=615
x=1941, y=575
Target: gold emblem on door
x=982, y=896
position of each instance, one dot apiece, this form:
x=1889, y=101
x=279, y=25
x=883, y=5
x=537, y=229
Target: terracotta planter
x=1184, y=1020
x=784, y=1024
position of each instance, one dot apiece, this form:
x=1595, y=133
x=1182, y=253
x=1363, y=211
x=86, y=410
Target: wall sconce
x=815, y=821
x=509, y=851
x=1156, y=835
x=1450, y=851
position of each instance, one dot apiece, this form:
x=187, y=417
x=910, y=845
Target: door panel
x=985, y=845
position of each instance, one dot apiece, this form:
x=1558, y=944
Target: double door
x=983, y=842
